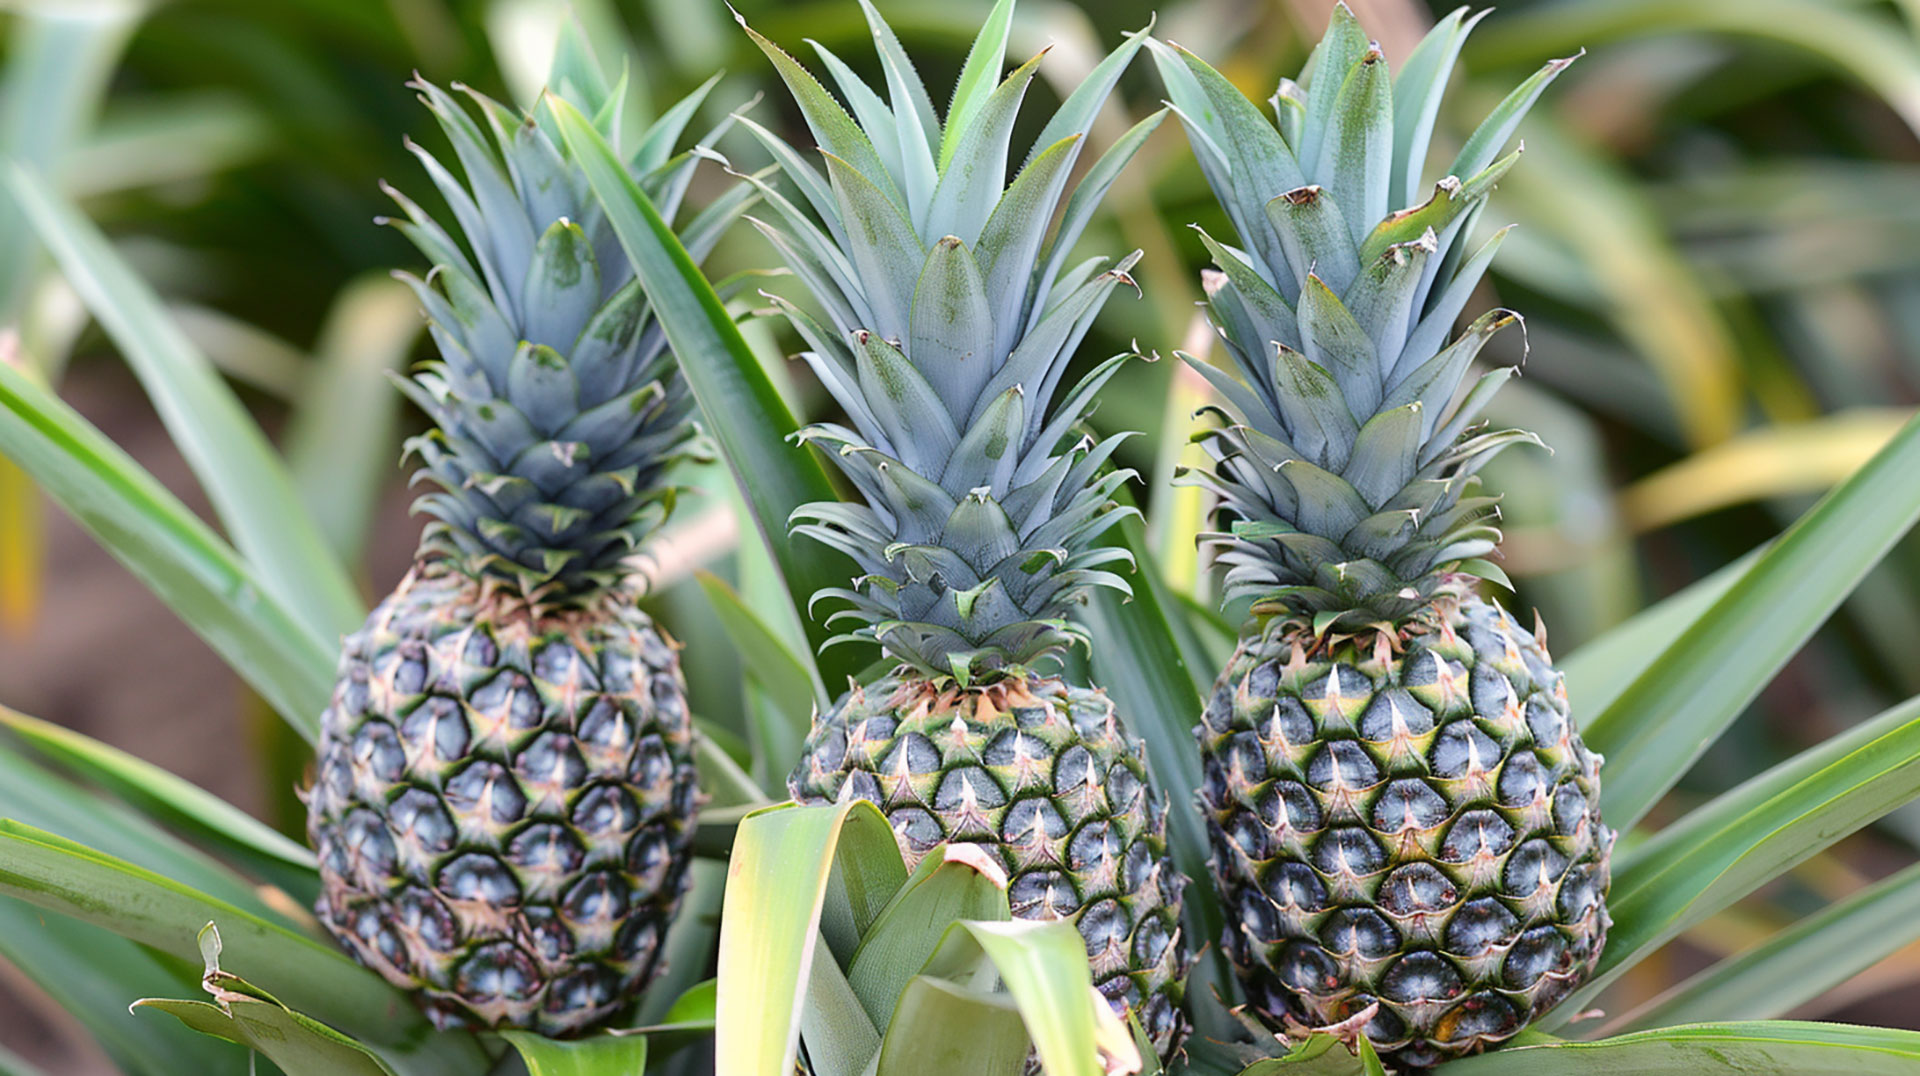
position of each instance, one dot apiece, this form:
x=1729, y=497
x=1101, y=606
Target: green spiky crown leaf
x=557, y=404
x=1347, y=453
x=950, y=318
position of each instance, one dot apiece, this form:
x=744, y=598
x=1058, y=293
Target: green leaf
x=59, y=63
x=941, y=1028
x=1492, y=134
x=300, y=1045
x=841, y=1038
x=1418, y=87
x=166, y=798
x=1258, y=163
x=743, y=411
x=60, y=60
x=1319, y=1055
x=342, y=438
x=93, y=974
x=1655, y=730
x=1778, y=1046
x=1745, y=837
x=596, y=1055
x=1356, y=155
x=789, y=865
x=963, y=884
x=787, y=679
x=1156, y=675
x=313, y=977
x=33, y=795
x=1369, y=1060
x=693, y=1009
x=242, y=1013
x=1798, y=964
x=1867, y=44
x=243, y=476
x=176, y=555
x=1601, y=670
x=832, y=128
x=1043, y=964
x=978, y=75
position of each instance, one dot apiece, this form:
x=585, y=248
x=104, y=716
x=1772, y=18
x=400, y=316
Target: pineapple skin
x=1419, y=829
x=503, y=801
x=1041, y=773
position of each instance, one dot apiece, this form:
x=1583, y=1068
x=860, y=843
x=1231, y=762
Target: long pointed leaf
x=178, y=803
x=243, y=475
x=743, y=410
x=1780, y=1046
x=1746, y=837
x=315, y=978
x=179, y=558
x=94, y=974
x=786, y=863
x=1157, y=684
x=1653, y=733
x=1043, y=965
x=1796, y=965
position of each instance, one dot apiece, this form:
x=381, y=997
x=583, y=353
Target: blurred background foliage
x=1718, y=258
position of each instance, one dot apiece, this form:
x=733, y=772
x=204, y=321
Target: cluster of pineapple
x=1404, y=821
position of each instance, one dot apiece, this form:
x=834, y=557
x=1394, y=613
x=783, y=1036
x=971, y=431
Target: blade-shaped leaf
x=32, y=795
x=943, y=1029
x=243, y=1013
x=742, y=409
x=343, y=435
x=912, y=925
x=69, y=878
x=1319, y=1055
x=978, y=75
x=299, y=1045
x=1745, y=837
x=787, y=862
x=180, y=558
x=1777, y=1046
x=1683, y=702
x=1606, y=666
x=787, y=680
x=595, y=1055
x=93, y=974
x=242, y=474
x=169, y=799
x=1043, y=965
x=1156, y=679
x=1796, y=965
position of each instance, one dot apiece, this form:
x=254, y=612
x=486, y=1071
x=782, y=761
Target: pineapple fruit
x=505, y=790
x=949, y=324
x=1404, y=820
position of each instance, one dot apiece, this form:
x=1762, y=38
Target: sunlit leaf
x=243, y=475
x=177, y=556
x=1772, y=1047
x=594, y=1055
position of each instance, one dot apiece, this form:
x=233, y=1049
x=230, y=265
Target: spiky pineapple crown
x=950, y=319
x=557, y=404
x=1347, y=454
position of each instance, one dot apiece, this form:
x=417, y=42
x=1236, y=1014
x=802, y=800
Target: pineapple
x=1404, y=820
x=505, y=792
x=949, y=324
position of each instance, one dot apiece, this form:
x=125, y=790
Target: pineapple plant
x=505, y=790
x=1404, y=821
x=949, y=326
